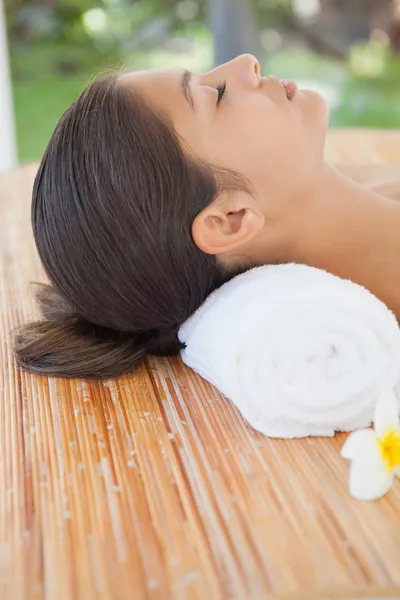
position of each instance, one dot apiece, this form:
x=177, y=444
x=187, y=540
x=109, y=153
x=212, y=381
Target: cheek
x=273, y=146
x=281, y=155
x=292, y=147
x=252, y=139
x=265, y=141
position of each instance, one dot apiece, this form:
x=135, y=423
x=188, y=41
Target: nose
x=249, y=67
x=243, y=70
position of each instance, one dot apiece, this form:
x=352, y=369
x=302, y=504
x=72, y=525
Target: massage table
x=152, y=485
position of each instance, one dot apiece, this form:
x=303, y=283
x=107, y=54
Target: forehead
x=151, y=82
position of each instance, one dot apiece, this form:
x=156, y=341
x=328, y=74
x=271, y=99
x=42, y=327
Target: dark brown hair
x=113, y=203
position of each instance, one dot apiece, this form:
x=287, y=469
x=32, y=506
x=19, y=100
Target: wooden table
x=152, y=486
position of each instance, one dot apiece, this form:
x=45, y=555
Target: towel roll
x=298, y=350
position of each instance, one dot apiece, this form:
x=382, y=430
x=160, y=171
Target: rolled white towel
x=298, y=350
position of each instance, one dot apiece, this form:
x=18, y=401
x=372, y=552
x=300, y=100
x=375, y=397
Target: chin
x=315, y=108
x=325, y=110
x=315, y=116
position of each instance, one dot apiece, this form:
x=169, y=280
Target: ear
x=230, y=221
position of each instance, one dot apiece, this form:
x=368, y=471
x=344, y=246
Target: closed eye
x=222, y=91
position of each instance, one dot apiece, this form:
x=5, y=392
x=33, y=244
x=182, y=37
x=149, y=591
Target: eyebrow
x=185, y=88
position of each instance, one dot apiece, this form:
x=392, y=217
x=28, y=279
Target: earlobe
x=223, y=227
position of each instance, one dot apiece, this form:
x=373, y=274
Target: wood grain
x=152, y=486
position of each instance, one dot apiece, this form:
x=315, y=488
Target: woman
x=158, y=186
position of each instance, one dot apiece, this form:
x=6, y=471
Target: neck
x=354, y=233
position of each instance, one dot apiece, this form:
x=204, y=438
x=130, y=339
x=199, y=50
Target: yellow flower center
x=389, y=447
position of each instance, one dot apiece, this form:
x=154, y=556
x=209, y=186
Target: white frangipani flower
x=375, y=453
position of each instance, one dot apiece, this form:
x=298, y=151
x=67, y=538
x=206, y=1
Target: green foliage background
x=56, y=47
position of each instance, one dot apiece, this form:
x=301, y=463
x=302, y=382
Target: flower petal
x=397, y=471
x=369, y=482
x=386, y=413
x=362, y=446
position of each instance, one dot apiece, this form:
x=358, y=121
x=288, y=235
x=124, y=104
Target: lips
x=290, y=88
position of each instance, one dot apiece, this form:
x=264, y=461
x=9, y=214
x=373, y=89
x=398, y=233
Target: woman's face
x=253, y=128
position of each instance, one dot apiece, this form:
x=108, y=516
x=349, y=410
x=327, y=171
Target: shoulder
x=382, y=178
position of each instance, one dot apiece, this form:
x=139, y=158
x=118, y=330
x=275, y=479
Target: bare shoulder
x=382, y=178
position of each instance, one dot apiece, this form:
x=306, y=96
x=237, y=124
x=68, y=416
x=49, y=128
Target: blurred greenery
x=54, y=55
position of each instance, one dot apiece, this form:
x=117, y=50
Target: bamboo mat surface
x=152, y=486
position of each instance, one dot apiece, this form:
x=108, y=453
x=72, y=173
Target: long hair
x=113, y=204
